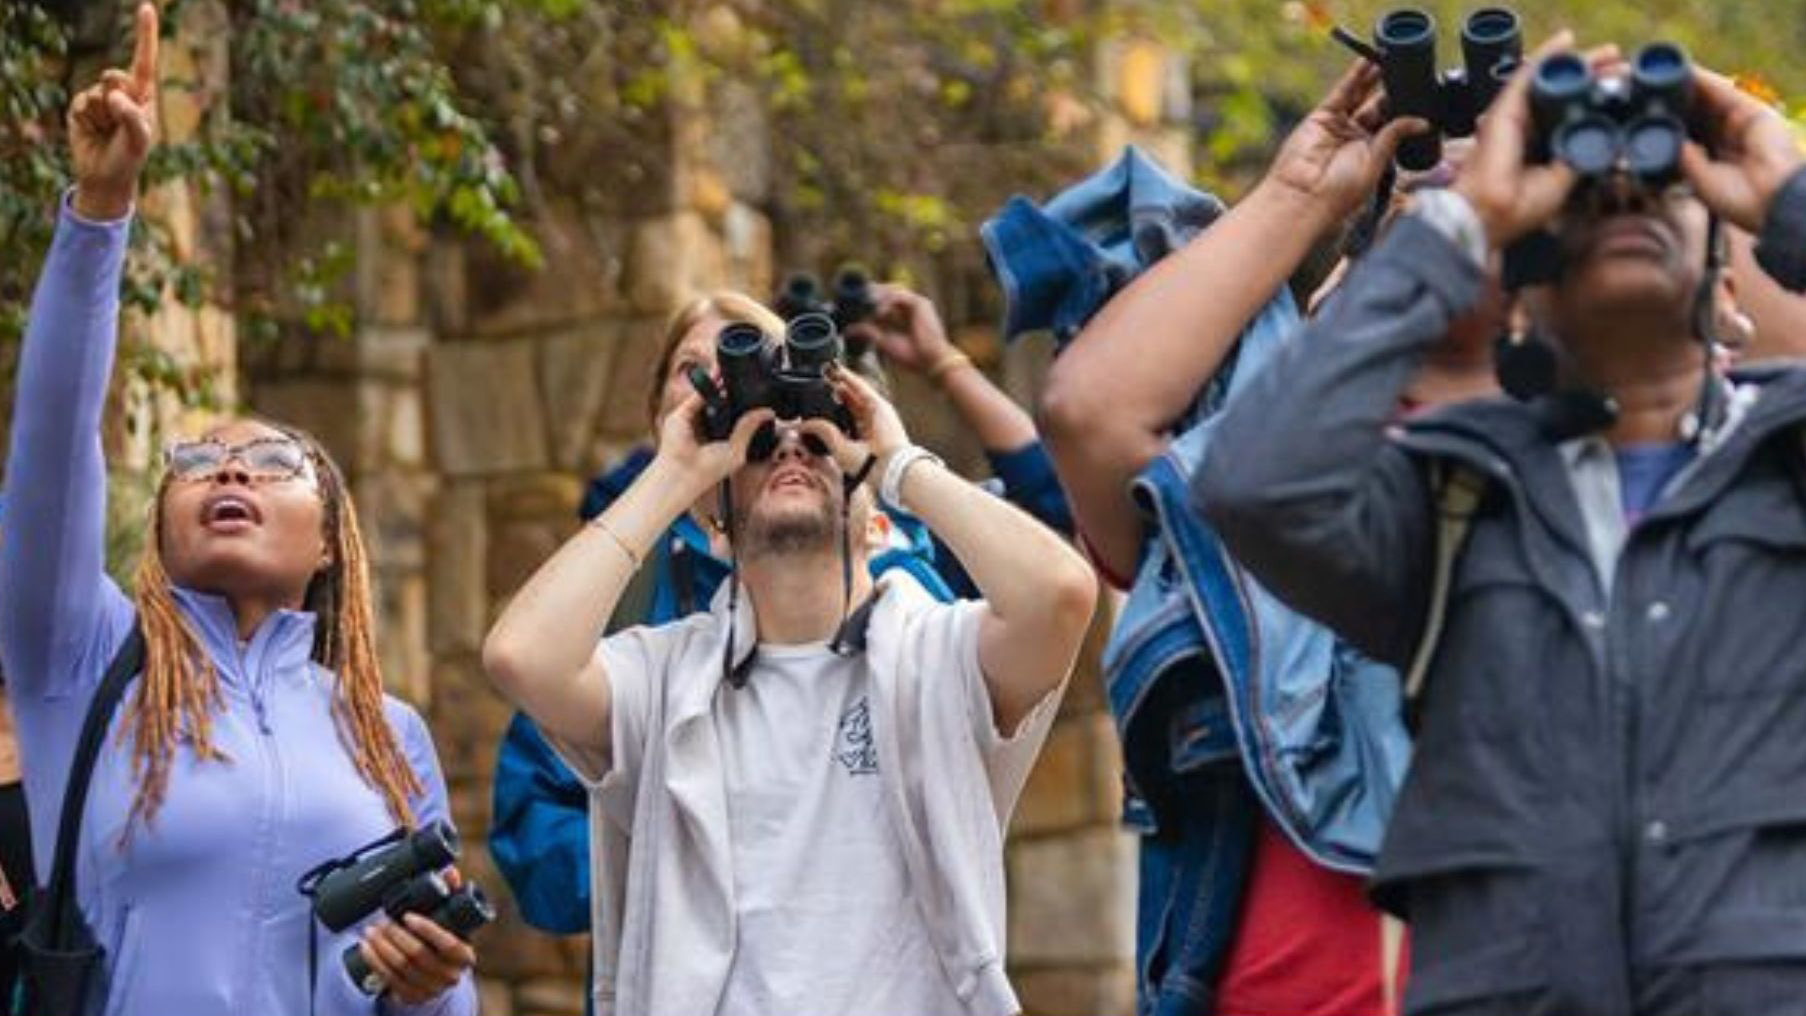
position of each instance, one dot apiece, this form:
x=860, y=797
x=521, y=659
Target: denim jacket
x=1229, y=703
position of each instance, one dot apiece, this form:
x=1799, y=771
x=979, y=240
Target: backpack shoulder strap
x=1457, y=490
x=59, y=899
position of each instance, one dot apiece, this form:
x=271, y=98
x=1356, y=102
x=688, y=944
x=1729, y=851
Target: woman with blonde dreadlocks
x=256, y=741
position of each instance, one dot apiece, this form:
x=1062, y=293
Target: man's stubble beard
x=789, y=534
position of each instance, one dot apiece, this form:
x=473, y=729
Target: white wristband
x=890, y=489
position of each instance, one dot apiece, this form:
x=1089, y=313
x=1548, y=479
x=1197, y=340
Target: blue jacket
x=1230, y=703
x=1059, y=262
x=1227, y=702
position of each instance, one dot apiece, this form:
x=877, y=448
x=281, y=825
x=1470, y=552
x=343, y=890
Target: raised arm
x=1116, y=391
x=1302, y=480
x=54, y=593
x=907, y=329
x=1038, y=591
x=542, y=651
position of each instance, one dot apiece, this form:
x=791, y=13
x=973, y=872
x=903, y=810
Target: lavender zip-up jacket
x=198, y=912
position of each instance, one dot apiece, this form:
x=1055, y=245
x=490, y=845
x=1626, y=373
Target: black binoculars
x=399, y=873
x=848, y=303
x=790, y=377
x=460, y=911
x=1404, y=46
x=1598, y=126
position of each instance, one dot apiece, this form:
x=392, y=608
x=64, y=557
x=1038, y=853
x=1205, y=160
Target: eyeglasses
x=765, y=444
x=264, y=458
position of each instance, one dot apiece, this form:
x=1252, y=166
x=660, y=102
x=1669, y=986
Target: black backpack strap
x=59, y=897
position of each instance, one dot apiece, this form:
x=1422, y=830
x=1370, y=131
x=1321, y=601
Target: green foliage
x=332, y=103
x=32, y=165
x=1253, y=54
x=896, y=126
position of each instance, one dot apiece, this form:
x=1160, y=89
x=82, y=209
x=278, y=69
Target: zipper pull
x=263, y=716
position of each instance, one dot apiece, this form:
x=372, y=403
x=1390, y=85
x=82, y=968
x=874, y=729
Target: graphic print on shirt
x=853, y=745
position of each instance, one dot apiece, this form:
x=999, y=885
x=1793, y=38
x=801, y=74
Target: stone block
x=636, y=357
x=737, y=143
x=389, y=249
x=747, y=247
x=1085, y=688
x=468, y=719
x=400, y=609
x=494, y=998
x=483, y=401
x=391, y=352
x=457, y=600
x=405, y=443
x=1072, y=899
x=446, y=285
x=1093, y=991
x=393, y=510
x=328, y=410
x=551, y=996
x=470, y=807
x=534, y=497
x=669, y=259
x=581, y=277
x=574, y=375
x=512, y=950
x=1075, y=781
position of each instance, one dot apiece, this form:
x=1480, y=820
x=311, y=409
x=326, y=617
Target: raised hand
x=877, y=422
x=702, y=464
x=1754, y=152
x=1509, y=197
x=1336, y=155
x=112, y=125
x=906, y=328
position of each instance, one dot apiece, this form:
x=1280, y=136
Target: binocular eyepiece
x=790, y=377
x=850, y=301
x=1404, y=46
x=1600, y=125
x=400, y=874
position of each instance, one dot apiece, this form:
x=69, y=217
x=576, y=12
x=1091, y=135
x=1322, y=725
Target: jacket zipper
x=270, y=766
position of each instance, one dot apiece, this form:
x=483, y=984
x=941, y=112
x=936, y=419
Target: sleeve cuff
x=1781, y=249
x=69, y=214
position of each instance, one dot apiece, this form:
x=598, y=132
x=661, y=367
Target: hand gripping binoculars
x=400, y=874
x=1404, y=47
x=789, y=377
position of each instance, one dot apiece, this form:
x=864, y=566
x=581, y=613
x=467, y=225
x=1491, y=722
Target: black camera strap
x=849, y=637
x=309, y=883
x=843, y=643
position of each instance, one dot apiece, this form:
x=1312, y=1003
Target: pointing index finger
x=144, y=55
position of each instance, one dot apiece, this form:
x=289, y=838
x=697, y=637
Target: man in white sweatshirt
x=799, y=796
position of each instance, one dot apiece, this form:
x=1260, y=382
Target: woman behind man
x=257, y=741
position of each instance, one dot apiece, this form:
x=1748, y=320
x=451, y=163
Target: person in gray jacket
x=1604, y=813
